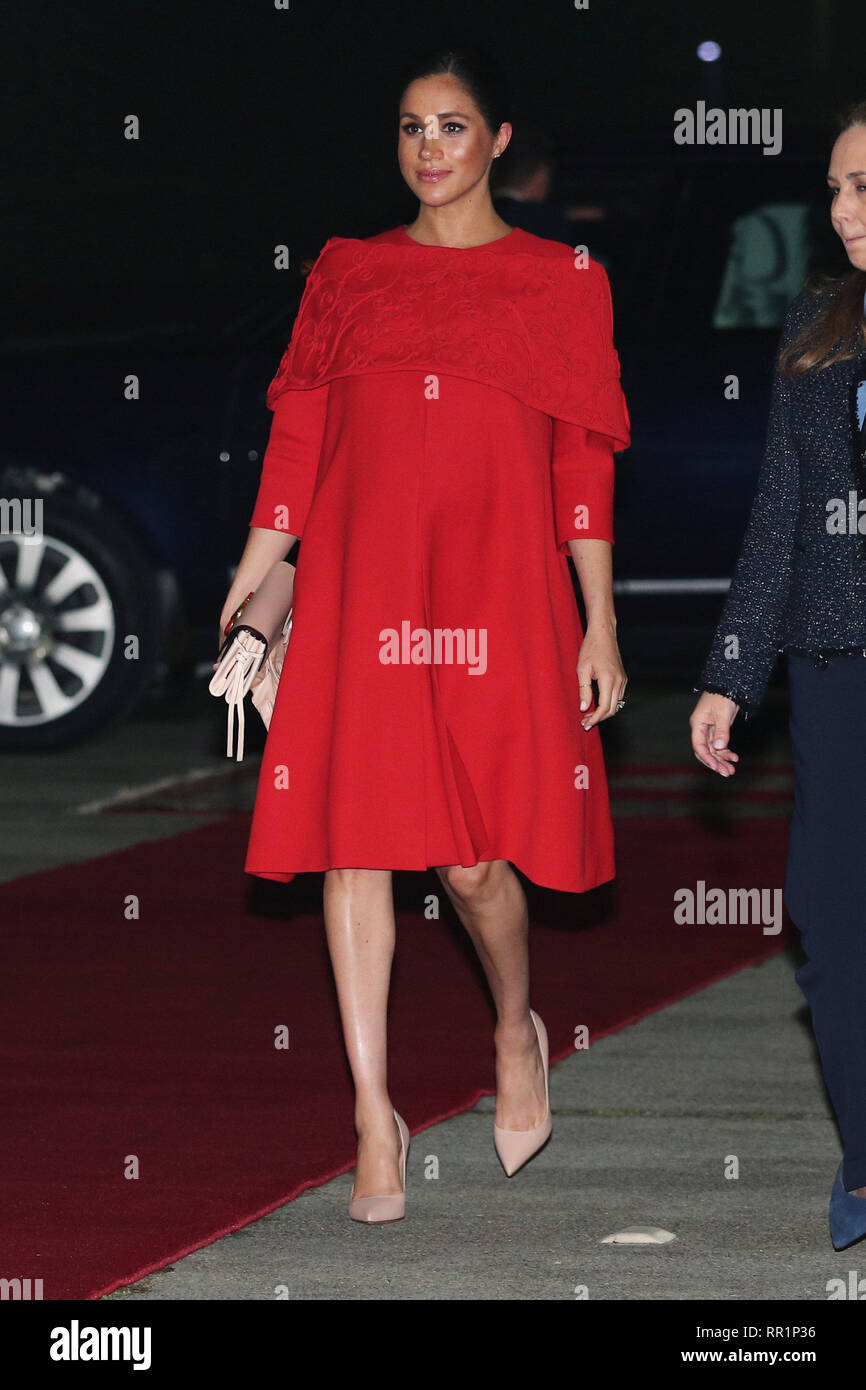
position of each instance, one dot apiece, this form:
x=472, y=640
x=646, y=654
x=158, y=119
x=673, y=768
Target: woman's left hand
x=601, y=662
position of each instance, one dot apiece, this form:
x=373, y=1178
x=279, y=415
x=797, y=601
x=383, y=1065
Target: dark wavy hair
x=478, y=73
x=837, y=331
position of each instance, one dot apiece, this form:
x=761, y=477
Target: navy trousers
x=825, y=886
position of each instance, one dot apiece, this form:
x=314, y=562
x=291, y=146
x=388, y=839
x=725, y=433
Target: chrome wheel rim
x=57, y=630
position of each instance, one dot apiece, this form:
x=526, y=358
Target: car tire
x=69, y=607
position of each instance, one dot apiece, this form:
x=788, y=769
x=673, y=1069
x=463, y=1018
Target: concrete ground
x=646, y=1123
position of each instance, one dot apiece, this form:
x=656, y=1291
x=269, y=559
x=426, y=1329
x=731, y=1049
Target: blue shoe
x=847, y=1215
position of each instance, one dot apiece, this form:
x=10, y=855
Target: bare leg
x=490, y=902
x=360, y=929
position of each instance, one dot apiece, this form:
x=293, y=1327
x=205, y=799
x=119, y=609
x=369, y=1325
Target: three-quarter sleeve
x=291, y=460
x=582, y=477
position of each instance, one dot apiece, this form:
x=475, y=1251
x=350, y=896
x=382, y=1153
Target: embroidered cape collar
x=536, y=325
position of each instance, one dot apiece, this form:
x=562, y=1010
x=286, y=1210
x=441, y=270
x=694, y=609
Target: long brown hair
x=838, y=330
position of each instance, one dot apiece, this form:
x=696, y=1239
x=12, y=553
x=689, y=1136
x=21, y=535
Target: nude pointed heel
x=516, y=1146
x=387, y=1206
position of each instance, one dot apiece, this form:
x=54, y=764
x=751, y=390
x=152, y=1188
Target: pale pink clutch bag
x=251, y=658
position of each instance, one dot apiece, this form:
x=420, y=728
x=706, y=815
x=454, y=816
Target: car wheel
x=80, y=626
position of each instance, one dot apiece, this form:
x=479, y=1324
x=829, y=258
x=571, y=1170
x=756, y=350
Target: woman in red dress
x=444, y=425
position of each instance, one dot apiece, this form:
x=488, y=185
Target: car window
x=769, y=255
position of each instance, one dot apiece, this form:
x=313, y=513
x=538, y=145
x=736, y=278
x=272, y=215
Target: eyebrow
x=857, y=174
x=441, y=117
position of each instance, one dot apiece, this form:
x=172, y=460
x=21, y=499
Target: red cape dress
x=444, y=422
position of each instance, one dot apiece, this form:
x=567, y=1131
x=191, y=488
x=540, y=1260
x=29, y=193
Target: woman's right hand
x=711, y=723
x=225, y=617
x=263, y=548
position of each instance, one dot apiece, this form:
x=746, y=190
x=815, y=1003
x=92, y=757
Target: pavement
x=645, y=1125
x=708, y=1119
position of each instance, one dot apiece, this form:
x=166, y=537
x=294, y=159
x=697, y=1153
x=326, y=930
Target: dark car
x=143, y=445
x=704, y=251
x=143, y=450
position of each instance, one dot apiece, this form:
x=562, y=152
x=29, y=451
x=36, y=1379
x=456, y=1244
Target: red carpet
x=151, y=1041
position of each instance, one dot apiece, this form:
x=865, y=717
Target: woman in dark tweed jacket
x=800, y=588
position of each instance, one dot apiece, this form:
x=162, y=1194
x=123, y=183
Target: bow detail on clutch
x=252, y=656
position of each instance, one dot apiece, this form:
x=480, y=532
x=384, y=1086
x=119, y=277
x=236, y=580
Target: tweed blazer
x=800, y=580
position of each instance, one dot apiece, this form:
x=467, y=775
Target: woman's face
x=846, y=179
x=445, y=148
